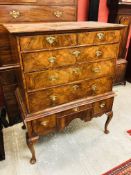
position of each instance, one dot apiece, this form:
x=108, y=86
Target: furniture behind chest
x=18, y=11
x=121, y=13
x=66, y=72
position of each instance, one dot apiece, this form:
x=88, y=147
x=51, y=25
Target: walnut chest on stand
x=66, y=71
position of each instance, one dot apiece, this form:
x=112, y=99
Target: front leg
x=30, y=144
x=109, y=117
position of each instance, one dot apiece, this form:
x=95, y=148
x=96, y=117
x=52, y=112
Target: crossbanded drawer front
x=102, y=106
x=49, y=78
x=28, y=13
x=52, y=97
x=44, y=125
x=39, y=42
x=56, y=58
x=99, y=37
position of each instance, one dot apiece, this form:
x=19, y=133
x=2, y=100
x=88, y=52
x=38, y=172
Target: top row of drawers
x=43, y=2
x=40, y=42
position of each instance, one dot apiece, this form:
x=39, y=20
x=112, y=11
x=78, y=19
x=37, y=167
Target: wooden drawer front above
x=30, y=43
x=44, y=79
x=52, y=97
x=99, y=37
x=44, y=125
x=21, y=13
x=49, y=59
x=103, y=106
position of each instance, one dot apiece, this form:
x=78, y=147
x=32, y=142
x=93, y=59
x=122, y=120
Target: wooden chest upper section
x=38, y=10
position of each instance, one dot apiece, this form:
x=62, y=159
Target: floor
x=81, y=149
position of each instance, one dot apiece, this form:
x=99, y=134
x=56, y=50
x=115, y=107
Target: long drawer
x=50, y=59
x=39, y=42
x=49, y=78
x=21, y=13
x=52, y=97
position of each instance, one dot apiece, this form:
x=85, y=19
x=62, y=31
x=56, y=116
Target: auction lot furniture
x=66, y=71
x=18, y=11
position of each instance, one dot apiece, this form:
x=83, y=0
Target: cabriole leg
x=109, y=117
x=30, y=144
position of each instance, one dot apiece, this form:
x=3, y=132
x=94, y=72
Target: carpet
x=122, y=169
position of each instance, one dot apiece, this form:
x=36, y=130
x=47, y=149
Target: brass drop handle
x=53, y=98
x=96, y=70
x=44, y=123
x=98, y=53
x=76, y=70
x=94, y=87
x=76, y=53
x=102, y=105
x=58, y=13
x=76, y=109
x=50, y=39
x=53, y=78
x=52, y=59
x=15, y=14
x=75, y=87
x=100, y=36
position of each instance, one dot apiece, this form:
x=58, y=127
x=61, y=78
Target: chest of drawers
x=18, y=11
x=66, y=72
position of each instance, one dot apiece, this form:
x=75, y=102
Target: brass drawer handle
x=100, y=36
x=44, y=123
x=53, y=78
x=52, y=59
x=96, y=70
x=102, y=105
x=58, y=13
x=76, y=53
x=94, y=87
x=76, y=109
x=50, y=39
x=76, y=70
x=53, y=98
x=75, y=87
x=98, y=53
x=15, y=14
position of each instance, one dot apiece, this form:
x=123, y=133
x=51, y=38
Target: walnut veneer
x=18, y=11
x=66, y=72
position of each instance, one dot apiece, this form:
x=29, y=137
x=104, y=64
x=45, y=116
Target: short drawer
x=28, y=13
x=43, y=99
x=55, y=58
x=103, y=106
x=39, y=42
x=49, y=78
x=44, y=125
x=99, y=37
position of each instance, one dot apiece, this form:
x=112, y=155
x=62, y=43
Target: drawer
x=21, y=13
x=48, y=78
x=5, y=56
x=43, y=99
x=39, y=42
x=64, y=120
x=44, y=125
x=99, y=37
x=8, y=77
x=103, y=106
x=55, y=58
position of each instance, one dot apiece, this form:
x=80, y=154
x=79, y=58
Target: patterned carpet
x=123, y=169
x=81, y=149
